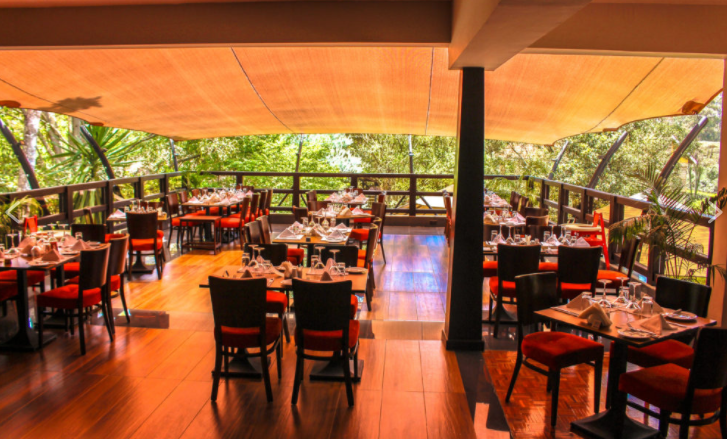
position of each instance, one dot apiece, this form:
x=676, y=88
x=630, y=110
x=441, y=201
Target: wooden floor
x=154, y=380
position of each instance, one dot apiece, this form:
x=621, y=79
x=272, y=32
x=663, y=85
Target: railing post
x=109, y=197
x=562, y=201
x=412, y=195
x=296, y=189
x=238, y=179
x=543, y=193
x=139, y=192
x=354, y=180
x=68, y=202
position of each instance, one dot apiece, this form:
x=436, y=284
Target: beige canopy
x=188, y=93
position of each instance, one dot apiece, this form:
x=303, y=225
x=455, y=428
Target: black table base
x=602, y=426
x=26, y=340
x=333, y=371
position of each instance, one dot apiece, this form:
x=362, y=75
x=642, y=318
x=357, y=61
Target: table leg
x=26, y=339
x=333, y=370
x=605, y=424
x=139, y=266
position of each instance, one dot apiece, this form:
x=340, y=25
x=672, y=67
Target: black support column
x=463, y=322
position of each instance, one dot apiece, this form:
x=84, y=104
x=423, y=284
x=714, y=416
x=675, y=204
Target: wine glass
x=334, y=252
x=12, y=239
x=493, y=236
x=313, y=263
x=635, y=296
x=245, y=260
x=603, y=301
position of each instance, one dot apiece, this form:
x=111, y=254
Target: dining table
x=604, y=425
x=326, y=371
x=27, y=338
x=310, y=241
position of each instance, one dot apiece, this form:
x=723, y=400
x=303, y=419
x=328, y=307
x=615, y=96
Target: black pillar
x=463, y=322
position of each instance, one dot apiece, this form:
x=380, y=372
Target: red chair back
x=30, y=224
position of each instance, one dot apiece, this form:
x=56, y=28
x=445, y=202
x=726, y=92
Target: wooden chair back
x=681, y=294
x=535, y=211
x=172, y=204
x=90, y=232
x=346, y=253
x=238, y=303
x=254, y=203
x=276, y=253
x=534, y=292
x=378, y=210
x=265, y=229
x=269, y=201
x=254, y=232
x=709, y=370
x=579, y=265
x=118, y=248
x=299, y=213
x=262, y=202
x=372, y=242
x=322, y=306
x=448, y=205
x=311, y=197
x=142, y=225
x=516, y=260
x=536, y=220
x=93, y=269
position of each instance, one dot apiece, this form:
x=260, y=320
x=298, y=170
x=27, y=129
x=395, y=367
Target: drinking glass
x=517, y=238
x=79, y=236
x=647, y=306
x=634, y=296
x=2, y=248
x=12, y=239
x=493, y=236
x=313, y=263
x=623, y=296
x=603, y=301
x=334, y=252
x=341, y=268
x=267, y=266
x=587, y=296
x=546, y=236
x=245, y=260
x=305, y=222
x=332, y=222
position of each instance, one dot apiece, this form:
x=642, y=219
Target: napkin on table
x=656, y=324
x=357, y=211
x=194, y=200
x=117, y=214
x=80, y=245
x=68, y=241
x=578, y=303
x=27, y=241
x=52, y=256
x=297, y=224
x=552, y=240
x=596, y=313
x=345, y=211
x=287, y=233
x=340, y=226
x=27, y=250
x=326, y=276
x=247, y=274
x=489, y=219
x=336, y=235
x=582, y=243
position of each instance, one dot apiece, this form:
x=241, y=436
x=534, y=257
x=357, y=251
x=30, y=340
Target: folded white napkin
x=499, y=240
x=595, y=313
x=336, y=235
x=246, y=274
x=194, y=200
x=345, y=211
x=341, y=227
x=361, y=197
x=578, y=303
x=52, y=256
x=519, y=217
x=287, y=233
x=287, y=269
x=552, y=240
x=489, y=219
x=656, y=324
x=27, y=241
x=117, y=214
x=357, y=211
x=297, y=224
x=488, y=198
x=80, y=245
x=68, y=241
x=214, y=198
x=27, y=250
x=582, y=243
x=225, y=202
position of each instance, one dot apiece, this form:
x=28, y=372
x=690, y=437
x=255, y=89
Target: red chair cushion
x=177, y=222
x=115, y=282
x=110, y=236
x=296, y=255
x=214, y=210
x=277, y=302
x=362, y=254
x=489, y=268
x=359, y=234
x=34, y=277
x=145, y=244
x=160, y=234
x=559, y=349
x=71, y=269
x=548, y=266
x=243, y=338
x=509, y=287
x=667, y=351
x=66, y=297
x=363, y=220
x=665, y=386
x=571, y=291
x=8, y=290
x=329, y=340
x=361, y=263
x=231, y=223
x=610, y=275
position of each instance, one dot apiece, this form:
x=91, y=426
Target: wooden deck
x=154, y=380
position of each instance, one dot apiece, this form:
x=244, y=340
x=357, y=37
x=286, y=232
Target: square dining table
x=310, y=242
x=603, y=425
x=27, y=339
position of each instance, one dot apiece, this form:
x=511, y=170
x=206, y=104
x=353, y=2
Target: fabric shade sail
x=188, y=93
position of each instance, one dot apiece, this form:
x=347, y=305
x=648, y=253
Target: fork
x=640, y=330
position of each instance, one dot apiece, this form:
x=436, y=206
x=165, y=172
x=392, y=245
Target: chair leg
x=266, y=374
x=664, y=423
x=286, y=330
x=122, y=295
x=355, y=364
x=347, y=376
x=554, y=397
x=39, y=314
x=498, y=313
x=227, y=362
x=383, y=253
x=518, y=363
x=106, y=305
x=298, y=376
x=279, y=352
x=597, y=376
x=158, y=264
x=217, y=371
x=81, y=331
x=684, y=426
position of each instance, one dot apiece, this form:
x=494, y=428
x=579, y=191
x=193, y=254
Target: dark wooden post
x=413, y=195
x=68, y=203
x=463, y=320
x=296, y=190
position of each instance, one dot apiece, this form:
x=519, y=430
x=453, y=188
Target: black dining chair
x=346, y=253
x=144, y=237
x=275, y=253
x=552, y=349
x=253, y=233
x=577, y=270
x=239, y=310
x=323, y=323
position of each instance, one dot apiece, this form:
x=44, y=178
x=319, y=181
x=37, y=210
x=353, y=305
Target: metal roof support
x=24, y=163
x=677, y=154
x=558, y=159
x=606, y=159
x=174, y=155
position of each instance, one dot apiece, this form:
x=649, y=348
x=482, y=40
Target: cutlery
x=571, y=313
x=633, y=328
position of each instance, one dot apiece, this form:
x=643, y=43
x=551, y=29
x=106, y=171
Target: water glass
x=313, y=262
x=245, y=260
x=517, y=238
x=546, y=236
x=647, y=306
x=305, y=222
x=493, y=236
x=79, y=236
x=341, y=268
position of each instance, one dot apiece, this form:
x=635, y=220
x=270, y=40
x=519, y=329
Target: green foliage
x=18, y=208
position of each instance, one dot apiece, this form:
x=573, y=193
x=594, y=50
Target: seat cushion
x=570, y=291
x=231, y=223
x=214, y=210
x=8, y=290
x=34, y=277
x=243, y=338
x=359, y=234
x=489, y=268
x=115, y=282
x=548, y=266
x=329, y=340
x=559, y=349
x=362, y=254
x=145, y=244
x=665, y=386
x=178, y=222
x=361, y=263
x=509, y=287
x=277, y=302
x=66, y=297
x=110, y=236
x=667, y=351
x=71, y=269
x=296, y=255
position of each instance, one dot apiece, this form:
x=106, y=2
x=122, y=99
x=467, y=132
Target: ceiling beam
x=641, y=29
x=488, y=33
x=288, y=23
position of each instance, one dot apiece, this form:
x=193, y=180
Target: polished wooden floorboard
x=154, y=380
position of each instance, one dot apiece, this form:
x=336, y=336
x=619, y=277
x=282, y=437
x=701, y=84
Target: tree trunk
x=75, y=130
x=30, y=145
x=54, y=133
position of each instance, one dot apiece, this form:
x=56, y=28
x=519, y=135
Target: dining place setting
x=494, y=201
x=348, y=197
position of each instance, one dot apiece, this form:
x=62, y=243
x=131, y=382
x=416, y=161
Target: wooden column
x=718, y=304
x=463, y=321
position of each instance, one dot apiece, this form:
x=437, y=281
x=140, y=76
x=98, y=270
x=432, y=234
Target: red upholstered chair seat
x=34, y=277
x=177, y=222
x=110, y=236
x=667, y=351
x=329, y=340
x=145, y=244
x=296, y=255
x=489, y=268
x=548, y=266
x=277, y=302
x=243, y=338
x=571, y=291
x=230, y=223
x=66, y=297
x=214, y=210
x=361, y=263
x=359, y=234
x=559, y=349
x=8, y=290
x=363, y=220
x=71, y=269
x=362, y=254
x=236, y=215
x=115, y=282
x=509, y=287
x=610, y=275
x=665, y=386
